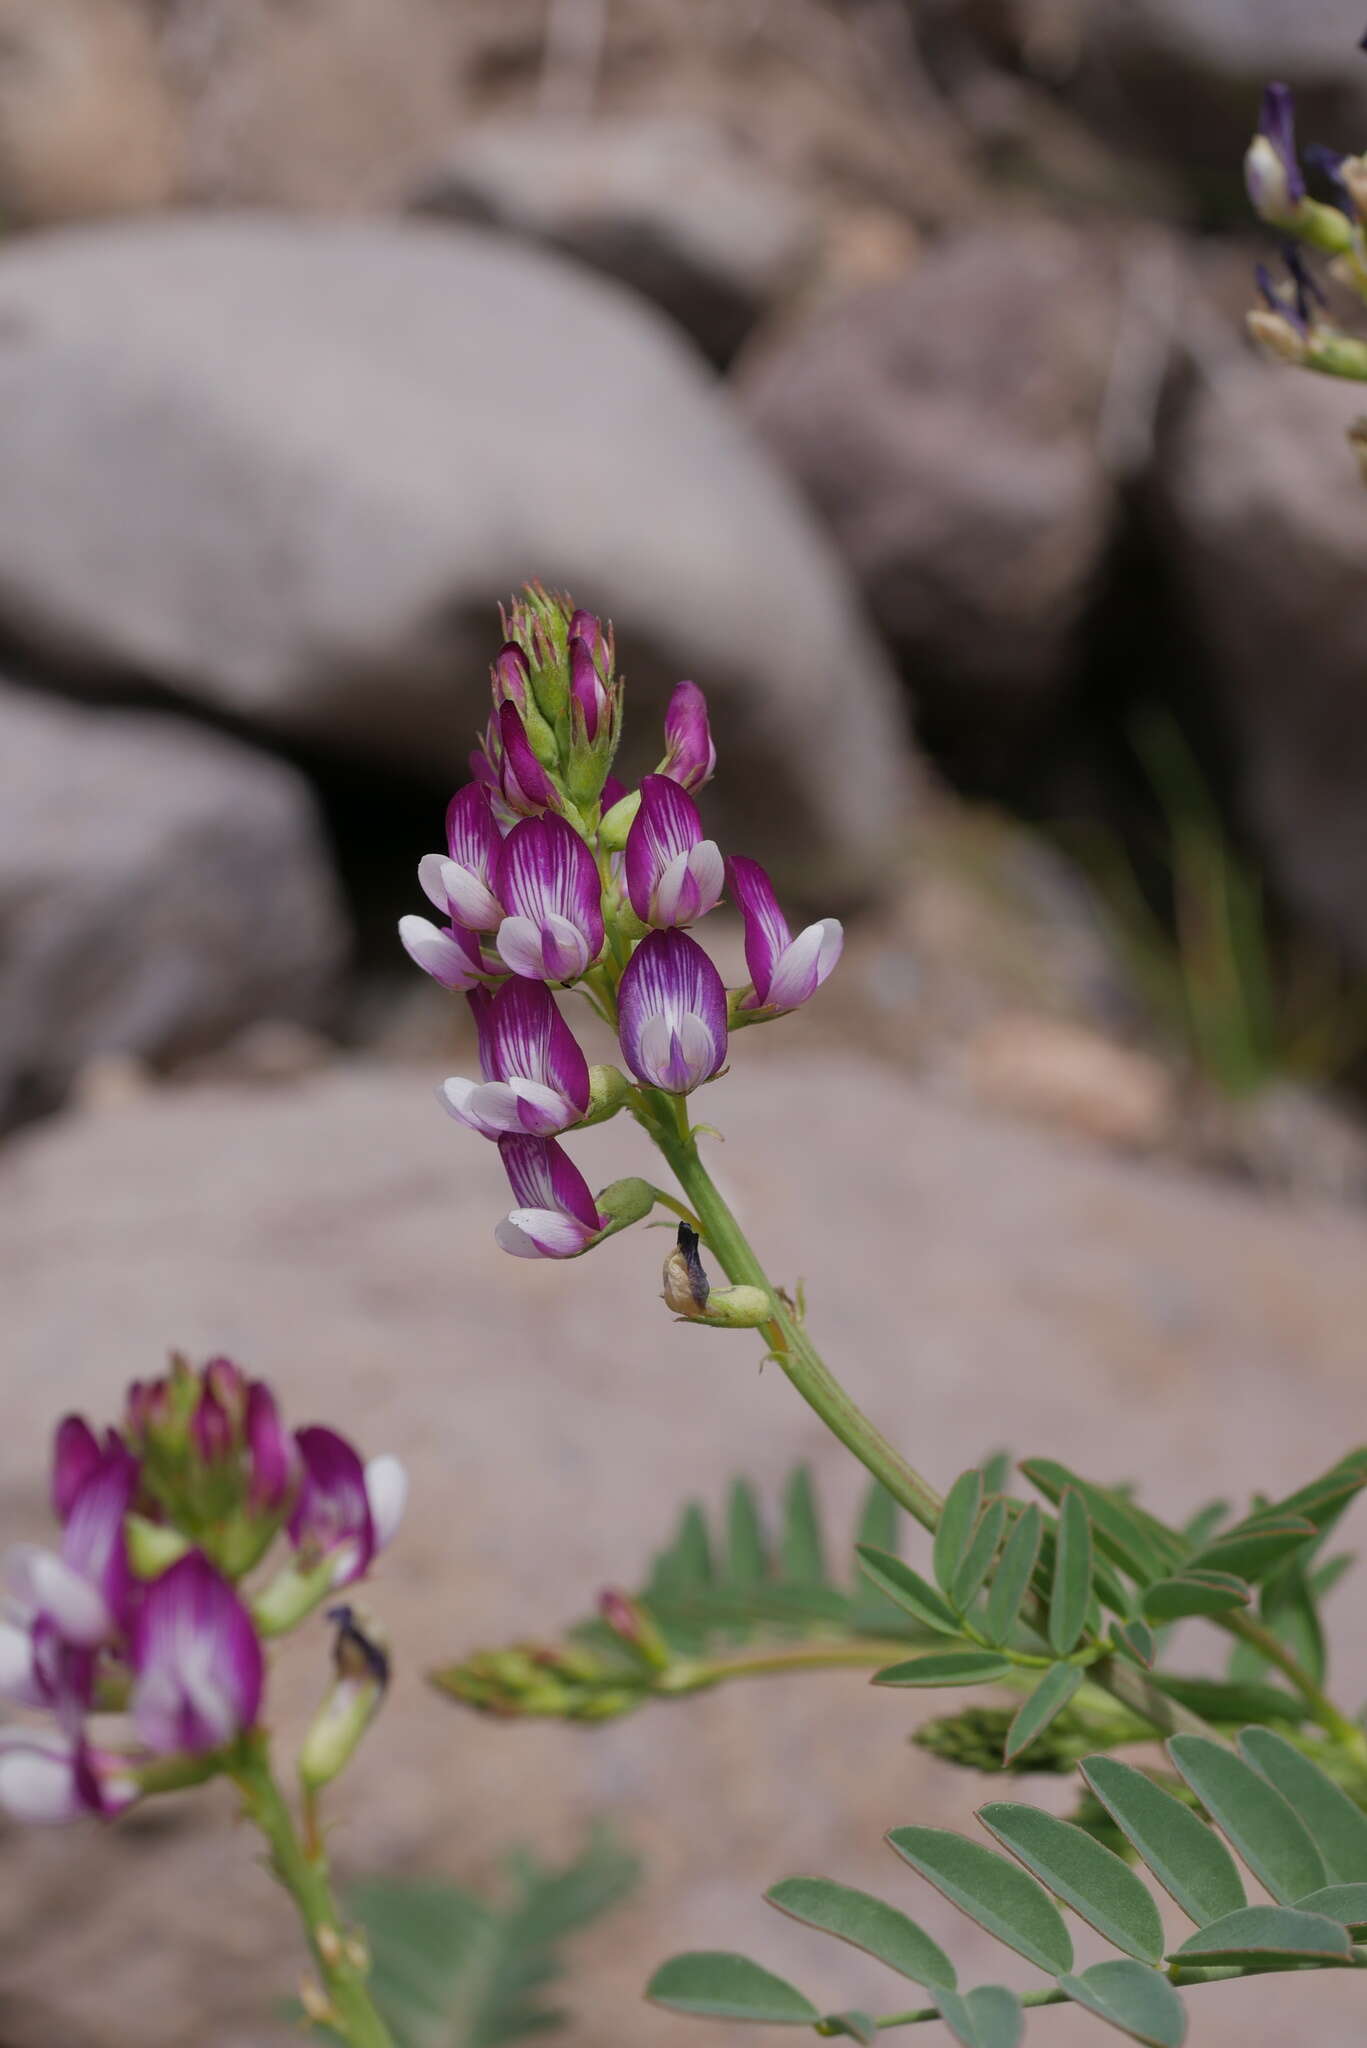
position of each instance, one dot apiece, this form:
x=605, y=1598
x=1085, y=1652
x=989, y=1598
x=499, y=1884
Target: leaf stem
x=303, y=1872
x=860, y=1654
x=1333, y=1721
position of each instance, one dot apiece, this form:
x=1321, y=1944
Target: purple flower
x=510, y=675
x=672, y=1013
x=344, y=1511
x=1272, y=172
x=47, y=1778
x=452, y=957
x=211, y=1428
x=198, y=1667
x=461, y=881
x=75, y=1454
x=690, y=756
x=586, y=685
x=556, y=1217
x=785, y=970
x=270, y=1451
x=536, y=1078
x=673, y=874
x=526, y=786
x=548, y=881
x=82, y=1593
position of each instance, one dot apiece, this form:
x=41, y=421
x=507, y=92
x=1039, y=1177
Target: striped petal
x=806, y=963
x=451, y=957
x=44, y=1584
x=48, y=1778
x=673, y=874
x=75, y=1457
x=198, y=1663
x=767, y=936
x=690, y=756
x=548, y=882
x=672, y=1013
x=526, y=785
x=543, y=1177
x=473, y=843
x=331, y=1515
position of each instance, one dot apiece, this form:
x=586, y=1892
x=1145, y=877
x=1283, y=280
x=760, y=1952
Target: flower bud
x=152, y=1547
x=618, y=821
x=624, y=1202
x=1276, y=336
x=686, y=1285
x=361, y=1661
x=608, y=1090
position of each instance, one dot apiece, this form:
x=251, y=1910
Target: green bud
x=617, y=822
x=608, y=1090
x=152, y=1547
x=291, y=1597
x=625, y=1202
x=362, y=1666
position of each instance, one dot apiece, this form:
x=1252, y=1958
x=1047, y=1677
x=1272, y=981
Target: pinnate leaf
x=868, y=1923
x=994, y=1892
x=1083, y=1873
x=1189, y=1860
x=1049, y=1698
x=1269, y=1836
x=1137, y=2000
x=718, y=1985
x=1257, y=1931
x=1338, y=1826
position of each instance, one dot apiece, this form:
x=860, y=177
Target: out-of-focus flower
x=690, y=756
x=785, y=970
x=199, y=1670
x=79, y=1596
x=361, y=1667
x=270, y=1449
x=345, y=1512
x=48, y=1778
x=75, y=1455
x=672, y=1013
x=460, y=882
x=526, y=786
x=536, y=1078
x=674, y=876
x=1272, y=172
x=548, y=883
x=556, y=1216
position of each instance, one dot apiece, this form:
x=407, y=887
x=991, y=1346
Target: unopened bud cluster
x=556, y=877
x=137, y=1643
x=1291, y=324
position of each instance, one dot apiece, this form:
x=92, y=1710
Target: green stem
x=788, y=1342
x=1187, y=1979
x=303, y=1872
x=1333, y=1721
x=867, y=1653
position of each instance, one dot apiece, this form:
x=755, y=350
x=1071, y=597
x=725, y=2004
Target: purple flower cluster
x=554, y=876
x=139, y=1614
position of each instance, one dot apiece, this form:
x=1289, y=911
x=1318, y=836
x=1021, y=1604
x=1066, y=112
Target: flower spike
x=556, y=1216
x=672, y=1013
x=548, y=880
x=536, y=1078
x=785, y=970
x=674, y=876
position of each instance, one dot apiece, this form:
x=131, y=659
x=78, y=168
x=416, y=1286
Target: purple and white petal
x=48, y=1778
x=199, y=1669
x=451, y=957
x=548, y=880
x=93, y=1542
x=270, y=1449
x=672, y=1013
x=542, y=1234
x=331, y=1515
x=20, y=1684
x=44, y=1584
x=690, y=756
x=586, y=685
x=527, y=788
x=806, y=963
x=473, y=841
x=75, y=1455
x=529, y=1040
x=673, y=874
x=510, y=675
x=767, y=935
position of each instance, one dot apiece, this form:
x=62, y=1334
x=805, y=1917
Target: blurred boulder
x=666, y=203
x=88, y=119
x=160, y=888
x=287, y=469
x=1268, y=520
x=962, y=432
x=978, y=1284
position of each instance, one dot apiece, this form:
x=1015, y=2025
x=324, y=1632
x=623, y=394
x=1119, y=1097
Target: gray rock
x=666, y=203
x=160, y=887
x=287, y=469
x=1269, y=528
x=959, y=430
x=976, y=1283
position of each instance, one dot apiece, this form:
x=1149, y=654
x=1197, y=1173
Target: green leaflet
x=997, y=1894
x=717, y=1985
x=868, y=1923
x=945, y=1667
x=1049, y=1698
x=800, y=1546
x=1268, y=1835
x=989, y=2017
x=977, y=1558
x=1346, y=1903
x=1189, y=1860
x=878, y=1519
x=1273, y=1931
x=1129, y=1536
x=908, y=1589
x=1338, y=1826
x=855, y=2026
x=746, y=1562
x=1086, y=1876
x=1255, y=1548
x=958, y=1519
x=1011, y=1581
x=1193, y=1592
x=1134, y=1998
x=1072, y=1588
